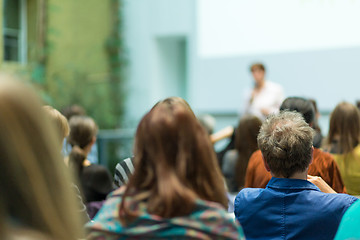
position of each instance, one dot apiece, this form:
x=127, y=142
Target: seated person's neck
x=297, y=175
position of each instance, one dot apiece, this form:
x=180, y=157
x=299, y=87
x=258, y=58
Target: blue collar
x=286, y=183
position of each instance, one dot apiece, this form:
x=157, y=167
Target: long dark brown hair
x=245, y=144
x=82, y=131
x=175, y=163
x=344, y=128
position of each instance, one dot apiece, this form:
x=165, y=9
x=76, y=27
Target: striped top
x=123, y=171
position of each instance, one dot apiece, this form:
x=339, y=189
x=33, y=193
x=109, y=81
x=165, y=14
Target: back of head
x=285, y=141
x=245, y=143
x=174, y=161
x=34, y=185
x=246, y=134
x=83, y=130
x=300, y=105
x=96, y=182
x=73, y=110
x=59, y=121
x=344, y=127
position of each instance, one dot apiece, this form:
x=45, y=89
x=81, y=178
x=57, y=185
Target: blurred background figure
x=235, y=161
x=265, y=97
x=62, y=126
x=343, y=143
x=69, y=112
x=318, y=135
x=59, y=121
x=177, y=190
x=36, y=201
x=95, y=181
x=208, y=122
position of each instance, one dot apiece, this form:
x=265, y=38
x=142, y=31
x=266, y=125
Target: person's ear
x=265, y=163
x=312, y=155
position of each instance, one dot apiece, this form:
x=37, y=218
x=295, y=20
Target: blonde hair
x=35, y=188
x=59, y=121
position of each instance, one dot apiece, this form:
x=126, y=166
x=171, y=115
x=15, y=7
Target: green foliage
x=64, y=78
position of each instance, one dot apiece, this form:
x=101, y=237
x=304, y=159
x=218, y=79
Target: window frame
x=20, y=33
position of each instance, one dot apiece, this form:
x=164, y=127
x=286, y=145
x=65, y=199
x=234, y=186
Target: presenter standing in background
x=266, y=97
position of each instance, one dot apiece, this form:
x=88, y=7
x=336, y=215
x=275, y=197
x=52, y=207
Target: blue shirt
x=290, y=209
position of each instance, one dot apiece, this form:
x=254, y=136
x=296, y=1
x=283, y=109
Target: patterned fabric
x=123, y=171
x=208, y=221
x=323, y=165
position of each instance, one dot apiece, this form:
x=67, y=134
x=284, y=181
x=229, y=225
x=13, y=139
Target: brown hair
x=174, y=163
x=59, y=121
x=82, y=131
x=73, y=110
x=245, y=144
x=35, y=190
x=344, y=127
x=255, y=66
x=285, y=141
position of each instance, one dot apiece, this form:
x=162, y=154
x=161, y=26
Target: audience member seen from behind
x=95, y=180
x=290, y=207
x=59, y=121
x=265, y=97
x=69, y=112
x=323, y=164
x=176, y=191
x=62, y=126
x=36, y=201
x=235, y=161
x=343, y=142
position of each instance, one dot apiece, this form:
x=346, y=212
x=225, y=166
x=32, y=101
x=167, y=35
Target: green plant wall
x=81, y=63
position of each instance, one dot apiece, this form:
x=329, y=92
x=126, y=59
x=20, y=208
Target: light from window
x=14, y=30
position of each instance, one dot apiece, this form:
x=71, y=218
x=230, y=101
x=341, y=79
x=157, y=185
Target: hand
x=265, y=111
x=320, y=183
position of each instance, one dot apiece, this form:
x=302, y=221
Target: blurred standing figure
x=343, y=141
x=266, y=97
x=36, y=201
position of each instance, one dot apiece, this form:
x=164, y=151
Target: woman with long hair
x=236, y=161
x=176, y=191
x=95, y=181
x=343, y=141
x=36, y=201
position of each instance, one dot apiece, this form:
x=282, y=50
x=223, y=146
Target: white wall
x=157, y=32
x=311, y=47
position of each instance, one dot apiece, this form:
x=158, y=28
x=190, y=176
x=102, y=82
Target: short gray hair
x=285, y=141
